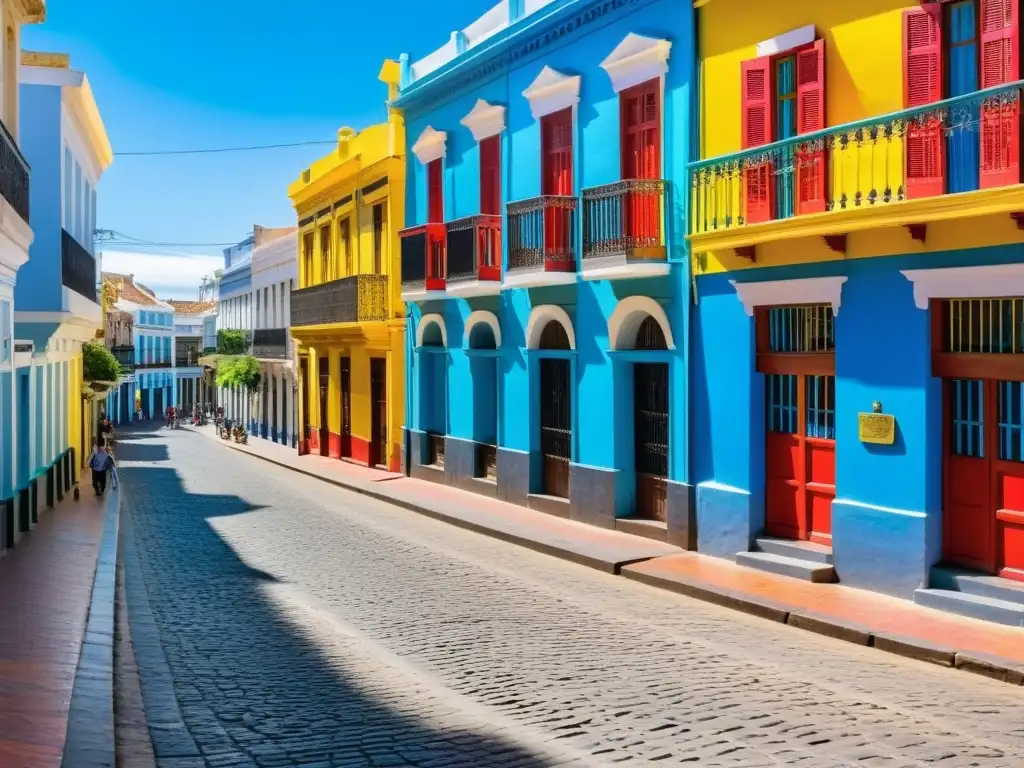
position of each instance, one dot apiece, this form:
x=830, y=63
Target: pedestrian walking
x=101, y=463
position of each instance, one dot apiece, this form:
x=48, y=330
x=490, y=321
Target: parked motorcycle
x=240, y=435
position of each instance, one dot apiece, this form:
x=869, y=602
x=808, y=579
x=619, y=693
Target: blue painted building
x=545, y=264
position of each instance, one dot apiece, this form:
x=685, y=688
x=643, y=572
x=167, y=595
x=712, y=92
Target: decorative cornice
x=430, y=146
x=636, y=60
x=552, y=91
x=773, y=293
x=979, y=282
x=485, y=120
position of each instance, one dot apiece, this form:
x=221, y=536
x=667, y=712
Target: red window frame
x=435, y=192
x=556, y=153
x=490, y=175
x=640, y=142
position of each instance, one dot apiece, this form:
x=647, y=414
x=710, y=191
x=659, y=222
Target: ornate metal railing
x=353, y=299
x=474, y=248
x=542, y=233
x=423, y=256
x=77, y=267
x=626, y=217
x=956, y=145
x=14, y=174
x=270, y=343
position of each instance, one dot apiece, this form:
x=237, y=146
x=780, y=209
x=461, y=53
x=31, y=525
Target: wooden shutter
x=556, y=131
x=1000, y=117
x=811, y=164
x=924, y=143
x=757, y=104
x=640, y=146
x=435, y=192
x=490, y=175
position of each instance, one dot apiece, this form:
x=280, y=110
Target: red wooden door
x=435, y=192
x=490, y=175
x=925, y=145
x=640, y=113
x=556, y=173
x=800, y=463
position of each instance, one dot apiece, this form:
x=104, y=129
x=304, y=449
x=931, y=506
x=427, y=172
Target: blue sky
x=184, y=75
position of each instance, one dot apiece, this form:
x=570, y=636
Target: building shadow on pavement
x=254, y=680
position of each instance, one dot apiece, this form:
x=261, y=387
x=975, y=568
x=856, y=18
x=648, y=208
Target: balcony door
x=640, y=113
x=325, y=378
x=556, y=177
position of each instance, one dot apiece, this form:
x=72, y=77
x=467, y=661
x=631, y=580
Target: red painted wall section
x=334, y=446
x=360, y=450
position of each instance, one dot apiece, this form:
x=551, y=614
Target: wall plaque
x=876, y=428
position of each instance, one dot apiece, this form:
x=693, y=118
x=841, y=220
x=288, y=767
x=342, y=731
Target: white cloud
x=170, y=276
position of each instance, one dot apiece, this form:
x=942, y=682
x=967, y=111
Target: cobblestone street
x=286, y=622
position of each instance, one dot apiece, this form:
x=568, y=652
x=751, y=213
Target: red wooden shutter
x=924, y=143
x=757, y=105
x=490, y=175
x=811, y=165
x=1000, y=117
x=435, y=192
x=556, y=168
x=640, y=143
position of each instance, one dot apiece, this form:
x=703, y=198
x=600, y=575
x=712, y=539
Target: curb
x=613, y=567
x=772, y=610
x=89, y=742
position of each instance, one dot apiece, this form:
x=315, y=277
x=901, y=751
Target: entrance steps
x=979, y=596
x=799, y=559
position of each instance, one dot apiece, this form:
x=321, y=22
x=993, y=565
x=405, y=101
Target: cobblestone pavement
x=306, y=625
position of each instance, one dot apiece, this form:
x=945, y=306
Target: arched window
x=649, y=335
x=554, y=336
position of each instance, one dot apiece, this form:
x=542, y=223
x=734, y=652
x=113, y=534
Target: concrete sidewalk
x=845, y=613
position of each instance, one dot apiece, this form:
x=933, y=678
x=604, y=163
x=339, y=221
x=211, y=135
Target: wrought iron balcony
x=622, y=223
x=14, y=174
x=424, y=265
x=161, y=364
x=352, y=299
x=77, y=267
x=270, y=343
x=125, y=355
x=541, y=238
x=823, y=183
x=474, y=255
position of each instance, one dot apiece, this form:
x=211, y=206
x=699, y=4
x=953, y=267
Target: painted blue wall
x=603, y=434
x=39, y=286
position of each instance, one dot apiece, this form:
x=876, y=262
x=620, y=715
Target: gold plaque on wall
x=876, y=428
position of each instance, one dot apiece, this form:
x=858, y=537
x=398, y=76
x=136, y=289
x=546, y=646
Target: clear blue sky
x=184, y=75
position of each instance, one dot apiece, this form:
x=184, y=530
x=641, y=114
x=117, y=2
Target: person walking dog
x=101, y=463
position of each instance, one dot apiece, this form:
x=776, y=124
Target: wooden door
x=346, y=406
x=556, y=425
x=556, y=179
x=640, y=114
x=324, y=386
x=303, y=404
x=378, y=412
x=650, y=438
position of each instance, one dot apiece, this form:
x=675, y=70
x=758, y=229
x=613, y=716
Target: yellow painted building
x=347, y=317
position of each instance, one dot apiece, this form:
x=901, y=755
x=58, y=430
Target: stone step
x=974, y=583
x=638, y=526
x=974, y=606
x=806, y=570
x=800, y=550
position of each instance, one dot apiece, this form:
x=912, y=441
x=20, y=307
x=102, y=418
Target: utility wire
x=218, y=150
x=113, y=237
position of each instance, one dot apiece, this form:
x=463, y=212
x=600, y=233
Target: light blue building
x=545, y=265
x=235, y=313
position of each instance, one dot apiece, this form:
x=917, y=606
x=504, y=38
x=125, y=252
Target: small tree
x=242, y=372
x=98, y=364
x=230, y=342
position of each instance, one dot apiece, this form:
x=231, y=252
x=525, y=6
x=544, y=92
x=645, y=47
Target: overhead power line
x=113, y=237
x=218, y=150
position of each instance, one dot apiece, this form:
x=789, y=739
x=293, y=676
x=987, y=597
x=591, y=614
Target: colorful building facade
x=857, y=253
x=347, y=318
x=545, y=267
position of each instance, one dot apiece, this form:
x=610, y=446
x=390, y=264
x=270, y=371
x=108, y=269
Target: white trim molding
x=487, y=318
x=543, y=314
x=979, y=282
x=787, y=41
x=636, y=60
x=552, y=91
x=430, y=146
x=810, y=290
x=428, y=320
x=485, y=120
x=626, y=319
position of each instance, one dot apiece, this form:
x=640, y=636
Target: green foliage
x=209, y=350
x=98, y=364
x=242, y=372
x=230, y=342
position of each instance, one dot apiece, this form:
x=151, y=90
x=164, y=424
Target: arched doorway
x=651, y=424
x=555, y=411
x=432, y=343
x=483, y=337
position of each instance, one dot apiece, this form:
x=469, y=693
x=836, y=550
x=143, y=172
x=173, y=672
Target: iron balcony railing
x=270, y=343
x=423, y=257
x=14, y=174
x=161, y=364
x=626, y=218
x=352, y=299
x=542, y=233
x=77, y=267
x=955, y=145
x=125, y=355
x=473, y=248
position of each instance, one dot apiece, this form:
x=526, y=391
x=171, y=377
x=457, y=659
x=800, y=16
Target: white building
x=189, y=318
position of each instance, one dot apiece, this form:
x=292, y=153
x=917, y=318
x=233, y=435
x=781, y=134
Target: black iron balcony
x=13, y=174
x=353, y=299
x=161, y=364
x=125, y=355
x=473, y=249
x=77, y=267
x=542, y=234
x=270, y=343
x=624, y=221
x=423, y=257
